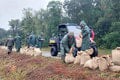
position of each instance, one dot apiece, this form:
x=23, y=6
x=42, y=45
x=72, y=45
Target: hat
x=82, y=23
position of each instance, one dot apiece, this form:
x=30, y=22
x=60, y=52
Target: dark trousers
x=18, y=50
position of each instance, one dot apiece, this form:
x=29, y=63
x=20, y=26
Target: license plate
x=52, y=41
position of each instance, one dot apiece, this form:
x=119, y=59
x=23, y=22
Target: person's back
x=10, y=44
x=18, y=43
x=32, y=40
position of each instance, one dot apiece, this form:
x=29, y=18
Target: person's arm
x=86, y=32
x=6, y=42
x=64, y=42
x=74, y=43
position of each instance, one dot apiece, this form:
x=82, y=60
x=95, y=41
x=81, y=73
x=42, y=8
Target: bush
x=111, y=40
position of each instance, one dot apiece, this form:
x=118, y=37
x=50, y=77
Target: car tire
x=54, y=51
x=95, y=51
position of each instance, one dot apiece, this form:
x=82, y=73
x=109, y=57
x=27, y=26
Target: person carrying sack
x=66, y=44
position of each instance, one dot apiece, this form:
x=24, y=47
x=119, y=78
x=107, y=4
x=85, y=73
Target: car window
x=75, y=29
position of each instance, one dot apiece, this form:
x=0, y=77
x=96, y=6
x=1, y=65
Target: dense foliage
x=102, y=15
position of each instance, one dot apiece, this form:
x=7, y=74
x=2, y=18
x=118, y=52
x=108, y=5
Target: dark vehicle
x=63, y=29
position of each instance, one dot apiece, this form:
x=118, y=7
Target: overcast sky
x=12, y=9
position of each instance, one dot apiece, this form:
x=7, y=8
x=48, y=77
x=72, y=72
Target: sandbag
x=114, y=68
x=79, y=40
x=92, y=63
x=3, y=47
x=77, y=58
x=84, y=57
x=69, y=58
x=31, y=51
x=37, y=52
x=89, y=51
x=108, y=59
x=116, y=56
x=102, y=63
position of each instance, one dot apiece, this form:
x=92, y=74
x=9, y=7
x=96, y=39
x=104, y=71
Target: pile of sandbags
x=83, y=58
x=3, y=47
x=92, y=63
x=31, y=51
x=103, y=63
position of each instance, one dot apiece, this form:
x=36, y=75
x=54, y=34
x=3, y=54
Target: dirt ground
x=23, y=67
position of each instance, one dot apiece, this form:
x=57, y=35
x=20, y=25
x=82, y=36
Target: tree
x=3, y=33
x=15, y=26
x=79, y=10
x=27, y=21
x=54, y=9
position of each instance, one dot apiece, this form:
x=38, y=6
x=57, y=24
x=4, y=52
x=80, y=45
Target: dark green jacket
x=86, y=37
x=67, y=42
x=32, y=39
x=18, y=42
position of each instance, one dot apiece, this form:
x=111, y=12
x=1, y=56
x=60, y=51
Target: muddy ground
x=23, y=67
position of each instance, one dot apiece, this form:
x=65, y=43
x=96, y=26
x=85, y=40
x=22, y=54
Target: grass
x=46, y=49
x=104, y=51
x=100, y=51
x=35, y=68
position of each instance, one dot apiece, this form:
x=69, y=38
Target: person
x=38, y=42
x=85, y=36
x=27, y=41
x=92, y=34
x=67, y=43
x=10, y=44
x=18, y=43
x=42, y=39
x=32, y=39
x=78, y=44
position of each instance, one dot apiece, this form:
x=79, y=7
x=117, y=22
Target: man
x=10, y=44
x=27, y=41
x=32, y=39
x=18, y=43
x=68, y=42
x=38, y=42
x=41, y=39
x=86, y=36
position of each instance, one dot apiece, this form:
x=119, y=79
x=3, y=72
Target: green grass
x=104, y=51
x=100, y=51
x=46, y=49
